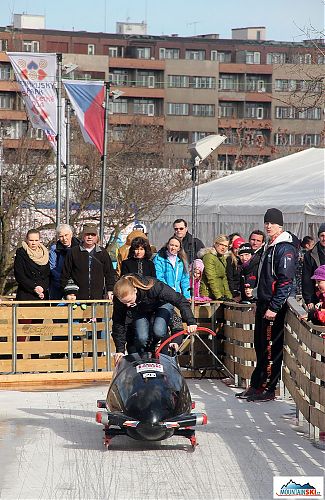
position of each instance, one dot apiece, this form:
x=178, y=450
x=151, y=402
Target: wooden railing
x=49, y=336
x=239, y=350
x=304, y=368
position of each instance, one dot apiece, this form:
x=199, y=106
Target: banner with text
x=36, y=75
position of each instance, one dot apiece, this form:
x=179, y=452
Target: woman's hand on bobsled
x=117, y=357
x=174, y=346
x=191, y=328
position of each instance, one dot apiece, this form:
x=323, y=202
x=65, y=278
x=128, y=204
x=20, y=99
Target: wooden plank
x=244, y=353
x=301, y=403
x=317, y=393
x=303, y=358
x=317, y=368
x=228, y=348
x=235, y=333
x=5, y=314
x=243, y=371
x=55, y=379
x=317, y=418
x=229, y=363
x=303, y=382
x=290, y=363
x=318, y=344
x=48, y=347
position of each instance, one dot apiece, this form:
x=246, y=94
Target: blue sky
x=284, y=19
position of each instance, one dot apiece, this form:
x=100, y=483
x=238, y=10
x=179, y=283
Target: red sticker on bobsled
x=144, y=367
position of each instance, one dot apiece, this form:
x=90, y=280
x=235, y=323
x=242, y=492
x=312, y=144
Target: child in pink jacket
x=196, y=271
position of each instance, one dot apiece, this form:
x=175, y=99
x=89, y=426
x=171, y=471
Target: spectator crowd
x=265, y=268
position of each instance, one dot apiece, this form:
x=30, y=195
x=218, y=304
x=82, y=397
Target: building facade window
x=203, y=109
x=142, y=52
x=291, y=113
x=195, y=55
x=196, y=136
x=30, y=46
x=284, y=139
x=168, y=53
x=255, y=84
x=6, y=100
x=228, y=82
x=36, y=133
x=276, y=58
x=119, y=106
x=227, y=110
x=253, y=57
x=179, y=109
x=219, y=56
x=321, y=59
x=118, y=77
x=299, y=85
x=112, y=51
x=5, y=71
x=177, y=137
x=202, y=82
x=91, y=49
x=3, y=45
x=178, y=81
x=144, y=107
x=301, y=59
x=256, y=111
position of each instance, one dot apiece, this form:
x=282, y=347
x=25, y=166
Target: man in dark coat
x=181, y=231
x=90, y=267
x=312, y=260
x=275, y=279
x=58, y=252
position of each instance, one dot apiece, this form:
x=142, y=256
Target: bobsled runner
x=148, y=399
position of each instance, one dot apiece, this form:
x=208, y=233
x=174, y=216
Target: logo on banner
x=32, y=70
x=298, y=487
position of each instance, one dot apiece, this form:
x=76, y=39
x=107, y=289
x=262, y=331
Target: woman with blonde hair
x=214, y=282
x=143, y=306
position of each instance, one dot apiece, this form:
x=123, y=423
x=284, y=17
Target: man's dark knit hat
x=321, y=229
x=274, y=216
x=245, y=248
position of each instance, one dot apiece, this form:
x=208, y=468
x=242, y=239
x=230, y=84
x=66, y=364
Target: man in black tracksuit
x=276, y=272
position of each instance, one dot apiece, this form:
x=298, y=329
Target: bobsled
x=148, y=399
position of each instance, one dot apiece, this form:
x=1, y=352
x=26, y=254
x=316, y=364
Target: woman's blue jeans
x=155, y=324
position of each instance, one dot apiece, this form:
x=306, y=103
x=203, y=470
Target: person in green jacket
x=214, y=282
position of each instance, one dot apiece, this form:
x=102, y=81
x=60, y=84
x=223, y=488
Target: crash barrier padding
x=43, y=337
x=304, y=367
x=238, y=346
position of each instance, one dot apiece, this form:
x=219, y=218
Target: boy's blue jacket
x=276, y=271
x=176, y=277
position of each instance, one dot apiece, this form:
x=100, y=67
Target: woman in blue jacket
x=171, y=267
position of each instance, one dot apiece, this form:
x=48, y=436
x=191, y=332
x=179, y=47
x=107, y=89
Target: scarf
x=40, y=256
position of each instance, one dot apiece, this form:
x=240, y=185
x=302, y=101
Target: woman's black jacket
x=29, y=275
x=143, y=267
x=147, y=302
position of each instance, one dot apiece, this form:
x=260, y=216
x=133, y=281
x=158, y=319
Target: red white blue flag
x=87, y=100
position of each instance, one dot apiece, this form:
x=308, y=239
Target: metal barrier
x=40, y=337
x=304, y=369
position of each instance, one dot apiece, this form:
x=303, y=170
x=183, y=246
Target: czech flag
x=88, y=101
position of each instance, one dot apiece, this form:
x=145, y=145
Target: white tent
x=294, y=184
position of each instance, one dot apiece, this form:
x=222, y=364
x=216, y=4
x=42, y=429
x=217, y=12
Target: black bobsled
x=148, y=399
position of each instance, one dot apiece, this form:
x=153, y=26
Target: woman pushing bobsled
x=142, y=309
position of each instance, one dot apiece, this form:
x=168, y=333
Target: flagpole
x=58, y=140
x=67, y=165
x=104, y=164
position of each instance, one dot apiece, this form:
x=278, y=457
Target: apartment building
x=266, y=96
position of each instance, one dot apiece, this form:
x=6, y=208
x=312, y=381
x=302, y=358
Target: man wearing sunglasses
x=181, y=231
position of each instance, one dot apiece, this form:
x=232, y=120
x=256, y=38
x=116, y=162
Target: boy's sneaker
x=265, y=395
x=250, y=391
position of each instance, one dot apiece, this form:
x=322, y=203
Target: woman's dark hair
x=306, y=240
x=137, y=243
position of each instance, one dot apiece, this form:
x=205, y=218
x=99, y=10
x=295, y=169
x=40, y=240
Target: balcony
x=146, y=64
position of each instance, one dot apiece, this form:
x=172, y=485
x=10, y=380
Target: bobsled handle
x=183, y=332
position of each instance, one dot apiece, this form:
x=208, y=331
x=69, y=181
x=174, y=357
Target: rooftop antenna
x=194, y=23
